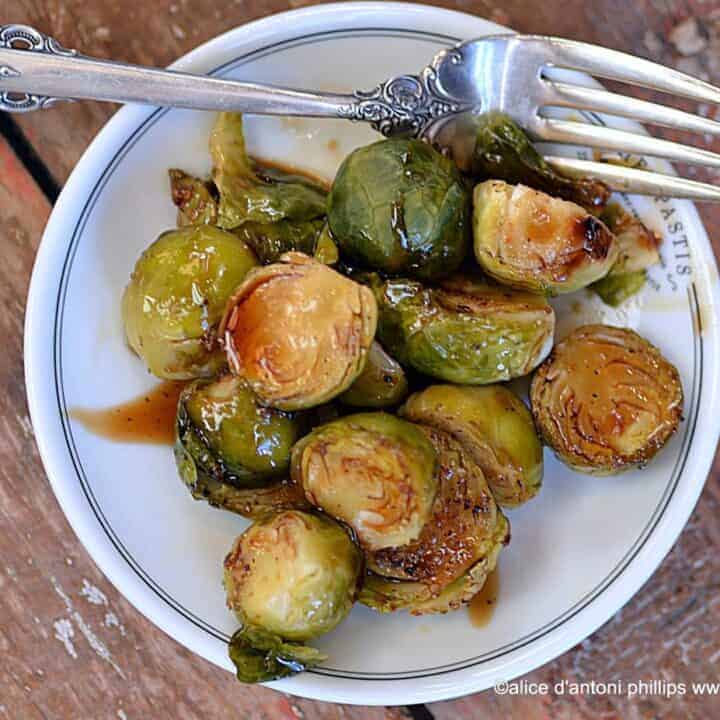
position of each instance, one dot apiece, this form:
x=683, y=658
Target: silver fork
x=515, y=74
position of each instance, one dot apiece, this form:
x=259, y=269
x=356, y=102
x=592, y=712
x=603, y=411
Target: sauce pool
x=149, y=418
x=481, y=607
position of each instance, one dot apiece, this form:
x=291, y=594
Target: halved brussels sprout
x=494, y=426
x=175, y=298
x=638, y=250
x=289, y=578
x=194, y=199
x=456, y=535
x=529, y=240
x=231, y=437
x=247, y=197
x=464, y=331
x=606, y=400
x=298, y=332
x=398, y=206
x=382, y=382
x=504, y=152
x=373, y=471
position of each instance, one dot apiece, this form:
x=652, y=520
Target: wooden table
x=70, y=645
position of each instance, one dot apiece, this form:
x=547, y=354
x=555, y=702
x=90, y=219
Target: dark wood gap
x=420, y=712
x=28, y=156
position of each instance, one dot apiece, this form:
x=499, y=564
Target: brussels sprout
x=298, y=332
x=529, y=240
x=374, y=472
x=465, y=331
x=175, y=299
x=638, y=250
x=606, y=400
x=388, y=595
x=456, y=549
x=247, y=197
x=194, y=199
x=382, y=382
x=398, y=206
x=232, y=438
x=504, y=152
x=494, y=426
x=289, y=578
x=272, y=240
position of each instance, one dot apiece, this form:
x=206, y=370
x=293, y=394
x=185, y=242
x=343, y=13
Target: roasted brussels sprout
x=464, y=331
x=606, y=400
x=230, y=436
x=638, y=250
x=494, y=426
x=298, y=332
x=529, y=240
x=400, y=207
x=272, y=240
x=289, y=578
x=382, y=382
x=247, y=197
x=194, y=198
x=504, y=152
x=456, y=548
x=176, y=296
x=374, y=472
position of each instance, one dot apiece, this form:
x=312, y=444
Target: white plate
x=578, y=552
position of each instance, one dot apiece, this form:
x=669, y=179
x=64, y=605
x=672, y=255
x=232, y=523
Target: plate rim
x=122, y=125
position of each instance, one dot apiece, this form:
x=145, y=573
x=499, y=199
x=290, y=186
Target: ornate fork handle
x=36, y=71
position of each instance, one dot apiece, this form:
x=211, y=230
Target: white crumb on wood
x=64, y=633
x=93, y=594
x=112, y=621
x=121, y=714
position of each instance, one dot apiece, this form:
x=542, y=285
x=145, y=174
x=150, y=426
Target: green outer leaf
x=615, y=289
x=271, y=240
x=259, y=656
x=382, y=382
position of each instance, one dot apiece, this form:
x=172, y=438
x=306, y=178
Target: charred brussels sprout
x=638, y=250
x=494, y=426
x=246, y=196
x=529, y=240
x=231, y=437
x=400, y=207
x=298, y=332
x=382, y=382
x=458, y=546
x=374, y=472
x=465, y=331
x=175, y=298
x=504, y=152
x=289, y=578
x=606, y=400
x=194, y=199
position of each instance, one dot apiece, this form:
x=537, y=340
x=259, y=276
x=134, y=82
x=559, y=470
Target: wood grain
x=71, y=646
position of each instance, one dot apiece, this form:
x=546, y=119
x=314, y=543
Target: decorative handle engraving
x=23, y=37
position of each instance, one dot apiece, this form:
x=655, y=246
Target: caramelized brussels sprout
x=606, y=400
x=289, y=578
x=529, y=240
x=456, y=549
x=247, y=197
x=494, y=426
x=504, y=152
x=400, y=207
x=465, y=331
x=230, y=436
x=194, y=199
x=373, y=471
x=382, y=382
x=638, y=250
x=175, y=298
x=298, y=332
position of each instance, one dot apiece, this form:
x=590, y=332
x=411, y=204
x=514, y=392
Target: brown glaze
x=270, y=169
x=148, y=418
x=482, y=606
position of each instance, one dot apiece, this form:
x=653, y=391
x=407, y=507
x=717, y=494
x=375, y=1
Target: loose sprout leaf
x=194, y=199
x=244, y=195
x=504, y=152
x=382, y=383
x=272, y=240
x=615, y=289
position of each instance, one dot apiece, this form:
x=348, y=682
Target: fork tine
x=575, y=96
x=567, y=131
x=633, y=180
x=616, y=65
